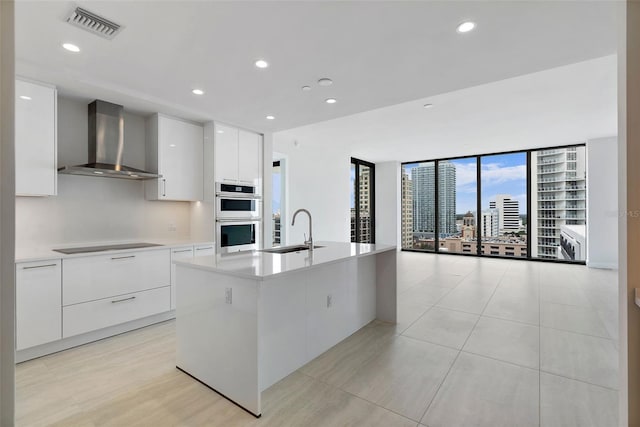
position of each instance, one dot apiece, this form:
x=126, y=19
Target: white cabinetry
x=250, y=158
x=185, y=252
x=38, y=303
x=102, y=313
x=175, y=151
x=36, y=139
x=103, y=276
x=238, y=156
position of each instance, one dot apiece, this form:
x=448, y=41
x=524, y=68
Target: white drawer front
x=38, y=303
x=94, y=315
x=204, y=250
x=103, y=276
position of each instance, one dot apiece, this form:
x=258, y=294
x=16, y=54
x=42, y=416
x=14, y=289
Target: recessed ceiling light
x=261, y=63
x=270, y=118
x=220, y=131
x=197, y=92
x=428, y=105
x=172, y=145
x=330, y=100
x=306, y=88
x=466, y=26
x=25, y=97
x=325, y=82
x=71, y=47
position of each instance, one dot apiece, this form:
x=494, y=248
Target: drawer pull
x=123, y=257
x=39, y=266
x=183, y=250
x=122, y=300
x=204, y=249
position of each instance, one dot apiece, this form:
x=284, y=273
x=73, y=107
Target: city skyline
x=500, y=174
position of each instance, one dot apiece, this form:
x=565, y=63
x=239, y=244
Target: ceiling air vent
x=93, y=23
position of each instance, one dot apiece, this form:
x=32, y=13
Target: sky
x=500, y=174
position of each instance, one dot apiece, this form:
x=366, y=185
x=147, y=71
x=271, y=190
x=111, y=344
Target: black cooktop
x=85, y=249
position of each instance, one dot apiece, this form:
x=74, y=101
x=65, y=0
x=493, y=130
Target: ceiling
x=560, y=106
x=377, y=53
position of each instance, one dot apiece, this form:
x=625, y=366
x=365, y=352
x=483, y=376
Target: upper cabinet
x=238, y=156
x=175, y=151
x=36, y=139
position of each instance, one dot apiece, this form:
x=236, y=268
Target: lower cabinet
x=38, y=303
x=176, y=254
x=89, y=316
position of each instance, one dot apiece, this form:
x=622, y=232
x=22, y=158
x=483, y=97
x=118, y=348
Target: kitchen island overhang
x=247, y=320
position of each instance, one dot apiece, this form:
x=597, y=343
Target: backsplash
x=97, y=209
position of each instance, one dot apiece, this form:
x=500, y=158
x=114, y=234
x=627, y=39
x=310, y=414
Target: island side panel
x=217, y=333
x=386, y=285
x=283, y=327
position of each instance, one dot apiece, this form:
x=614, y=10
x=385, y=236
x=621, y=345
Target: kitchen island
x=247, y=320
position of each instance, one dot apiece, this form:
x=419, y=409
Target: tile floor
x=479, y=342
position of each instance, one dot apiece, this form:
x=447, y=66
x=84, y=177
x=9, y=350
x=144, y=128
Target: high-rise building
x=407, y=212
x=276, y=229
x=508, y=212
x=490, y=223
x=423, y=189
x=447, y=197
x=558, y=198
x=364, y=203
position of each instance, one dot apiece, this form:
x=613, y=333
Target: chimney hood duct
x=106, y=144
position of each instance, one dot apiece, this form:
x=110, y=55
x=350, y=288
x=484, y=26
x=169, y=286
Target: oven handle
x=238, y=196
x=244, y=220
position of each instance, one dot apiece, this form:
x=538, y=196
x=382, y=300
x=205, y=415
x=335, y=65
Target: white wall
x=89, y=209
x=388, y=203
x=602, y=203
x=318, y=180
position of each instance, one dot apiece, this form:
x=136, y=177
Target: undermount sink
x=288, y=249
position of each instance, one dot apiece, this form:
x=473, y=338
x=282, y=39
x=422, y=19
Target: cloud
x=495, y=173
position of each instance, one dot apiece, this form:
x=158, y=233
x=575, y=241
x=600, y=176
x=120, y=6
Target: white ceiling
x=377, y=53
x=565, y=105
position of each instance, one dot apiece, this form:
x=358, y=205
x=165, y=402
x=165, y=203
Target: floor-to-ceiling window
x=529, y=204
x=503, y=215
x=457, y=205
x=558, y=198
x=419, y=206
x=362, y=201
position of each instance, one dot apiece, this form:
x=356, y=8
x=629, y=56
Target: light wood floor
x=478, y=342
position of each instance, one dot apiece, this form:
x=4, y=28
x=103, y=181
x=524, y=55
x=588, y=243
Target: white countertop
x=47, y=253
x=264, y=265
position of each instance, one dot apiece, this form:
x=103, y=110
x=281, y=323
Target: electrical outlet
x=329, y=300
x=172, y=227
x=228, y=295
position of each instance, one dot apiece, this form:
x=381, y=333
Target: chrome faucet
x=309, y=242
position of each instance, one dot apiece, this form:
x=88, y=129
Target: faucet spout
x=309, y=242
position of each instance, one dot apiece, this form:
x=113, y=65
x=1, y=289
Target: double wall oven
x=238, y=218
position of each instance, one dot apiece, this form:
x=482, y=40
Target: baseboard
x=67, y=343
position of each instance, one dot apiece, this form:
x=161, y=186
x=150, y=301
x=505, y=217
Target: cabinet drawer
x=38, y=303
x=204, y=250
x=103, y=276
x=90, y=316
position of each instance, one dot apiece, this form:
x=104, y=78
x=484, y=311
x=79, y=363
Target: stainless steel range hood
x=106, y=144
